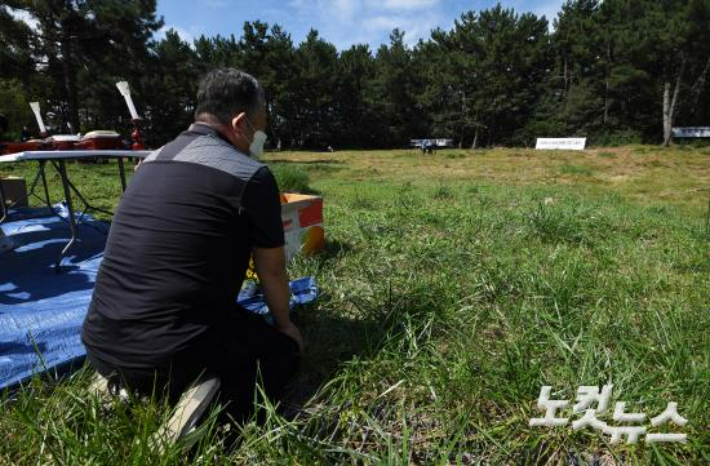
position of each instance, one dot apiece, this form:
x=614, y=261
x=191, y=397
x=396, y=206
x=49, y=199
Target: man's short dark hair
x=227, y=92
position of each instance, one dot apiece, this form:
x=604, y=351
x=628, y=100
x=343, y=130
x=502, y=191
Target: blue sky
x=342, y=22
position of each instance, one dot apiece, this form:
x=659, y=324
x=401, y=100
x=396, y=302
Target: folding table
x=58, y=160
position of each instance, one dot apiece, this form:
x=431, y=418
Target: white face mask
x=256, y=148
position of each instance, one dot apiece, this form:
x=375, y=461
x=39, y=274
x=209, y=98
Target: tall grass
x=291, y=178
x=446, y=306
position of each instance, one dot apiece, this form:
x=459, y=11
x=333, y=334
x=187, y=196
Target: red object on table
x=94, y=140
x=63, y=141
x=136, y=135
x=14, y=147
x=100, y=140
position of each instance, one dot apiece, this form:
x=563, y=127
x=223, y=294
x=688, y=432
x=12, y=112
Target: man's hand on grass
x=292, y=331
x=271, y=268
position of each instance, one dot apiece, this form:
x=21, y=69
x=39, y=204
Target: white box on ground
x=561, y=143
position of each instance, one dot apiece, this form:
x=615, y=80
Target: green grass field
x=454, y=287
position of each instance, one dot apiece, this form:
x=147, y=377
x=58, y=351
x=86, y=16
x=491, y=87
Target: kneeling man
x=164, y=308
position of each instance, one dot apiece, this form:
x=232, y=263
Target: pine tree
x=317, y=65
x=392, y=94
x=169, y=92
x=354, y=125
x=85, y=41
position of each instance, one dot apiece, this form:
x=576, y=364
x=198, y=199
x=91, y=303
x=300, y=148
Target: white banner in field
x=561, y=143
x=434, y=142
x=692, y=132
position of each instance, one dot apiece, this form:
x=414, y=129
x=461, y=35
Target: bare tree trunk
x=608, y=86
x=666, y=114
x=463, y=118
x=700, y=85
x=670, y=105
x=475, y=139
x=606, y=102
x=566, y=80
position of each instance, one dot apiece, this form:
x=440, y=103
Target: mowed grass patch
x=576, y=170
x=447, y=302
x=641, y=174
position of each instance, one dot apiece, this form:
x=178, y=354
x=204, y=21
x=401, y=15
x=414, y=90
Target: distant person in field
x=164, y=309
x=4, y=124
x=427, y=146
x=25, y=134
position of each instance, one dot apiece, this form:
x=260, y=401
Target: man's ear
x=238, y=121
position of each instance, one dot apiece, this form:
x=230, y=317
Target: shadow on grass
x=331, y=341
x=307, y=191
x=334, y=336
x=334, y=248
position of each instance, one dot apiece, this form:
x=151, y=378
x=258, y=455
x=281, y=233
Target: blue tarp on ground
x=41, y=311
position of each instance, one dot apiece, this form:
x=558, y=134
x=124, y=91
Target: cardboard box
x=302, y=217
x=15, y=190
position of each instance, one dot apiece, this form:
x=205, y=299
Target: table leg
x=42, y=167
x=72, y=221
x=87, y=206
x=2, y=203
x=122, y=173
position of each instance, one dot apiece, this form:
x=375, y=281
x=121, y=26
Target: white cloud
x=547, y=8
x=344, y=9
x=409, y=4
x=380, y=23
x=187, y=35
x=348, y=22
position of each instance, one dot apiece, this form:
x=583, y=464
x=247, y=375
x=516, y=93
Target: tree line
x=617, y=71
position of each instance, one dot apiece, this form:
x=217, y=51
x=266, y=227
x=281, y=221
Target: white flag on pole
x=125, y=91
x=38, y=117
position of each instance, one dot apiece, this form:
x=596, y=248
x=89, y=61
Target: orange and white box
x=302, y=217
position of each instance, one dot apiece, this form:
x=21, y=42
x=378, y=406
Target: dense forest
x=615, y=71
